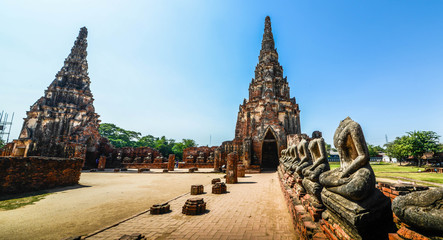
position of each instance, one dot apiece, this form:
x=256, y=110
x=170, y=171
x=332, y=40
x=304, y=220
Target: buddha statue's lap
x=355, y=187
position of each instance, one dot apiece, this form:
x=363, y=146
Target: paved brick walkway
x=252, y=209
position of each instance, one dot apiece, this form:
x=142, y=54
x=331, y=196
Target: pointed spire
x=268, y=39
x=74, y=72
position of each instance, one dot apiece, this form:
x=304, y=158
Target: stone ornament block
x=194, y=206
x=197, y=189
x=116, y=169
x=140, y=170
x=160, y=209
x=219, y=188
x=165, y=170
x=215, y=180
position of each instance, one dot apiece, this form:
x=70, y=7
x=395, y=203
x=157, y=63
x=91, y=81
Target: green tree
x=119, y=137
x=180, y=146
x=421, y=142
x=328, y=149
x=164, y=146
x=374, y=150
x=147, y=141
x=399, y=148
x=2, y=143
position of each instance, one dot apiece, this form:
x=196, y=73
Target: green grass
x=20, y=202
x=394, y=171
x=429, y=177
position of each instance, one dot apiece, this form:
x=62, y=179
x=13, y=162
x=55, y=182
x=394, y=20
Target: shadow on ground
x=40, y=192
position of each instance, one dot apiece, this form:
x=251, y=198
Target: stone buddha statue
x=286, y=159
x=295, y=159
x=127, y=160
x=349, y=192
x=148, y=158
x=320, y=165
x=304, y=155
x=422, y=210
x=283, y=156
x=354, y=179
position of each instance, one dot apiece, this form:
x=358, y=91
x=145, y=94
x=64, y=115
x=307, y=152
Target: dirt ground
x=100, y=200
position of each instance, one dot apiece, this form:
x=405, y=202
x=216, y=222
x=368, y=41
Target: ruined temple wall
x=24, y=174
x=196, y=151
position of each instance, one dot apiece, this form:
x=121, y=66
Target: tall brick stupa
x=63, y=122
x=269, y=114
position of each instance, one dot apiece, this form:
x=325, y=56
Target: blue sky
x=181, y=68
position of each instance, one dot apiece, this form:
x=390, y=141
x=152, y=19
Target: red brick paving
x=252, y=209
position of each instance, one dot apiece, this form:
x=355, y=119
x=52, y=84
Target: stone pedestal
x=160, y=209
x=194, y=206
x=219, y=188
x=197, y=189
x=241, y=171
x=171, y=162
x=231, y=168
x=370, y=218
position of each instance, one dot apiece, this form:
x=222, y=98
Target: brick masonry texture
x=24, y=174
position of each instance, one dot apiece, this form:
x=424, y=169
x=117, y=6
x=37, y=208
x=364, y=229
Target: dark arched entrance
x=269, y=151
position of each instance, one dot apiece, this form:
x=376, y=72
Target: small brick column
x=217, y=160
x=231, y=168
x=171, y=162
x=102, y=163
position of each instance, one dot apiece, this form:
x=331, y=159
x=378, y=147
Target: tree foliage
x=422, y=142
x=415, y=143
x=119, y=137
x=374, y=151
x=180, y=146
x=2, y=143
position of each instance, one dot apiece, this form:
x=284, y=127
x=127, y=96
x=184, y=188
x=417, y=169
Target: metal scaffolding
x=5, y=126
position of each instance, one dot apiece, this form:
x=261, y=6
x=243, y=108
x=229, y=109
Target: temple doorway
x=269, y=151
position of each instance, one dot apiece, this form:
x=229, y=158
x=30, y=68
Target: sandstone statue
x=422, y=210
x=305, y=157
x=354, y=179
x=295, y=159
x=349, y=192
x=320, y=164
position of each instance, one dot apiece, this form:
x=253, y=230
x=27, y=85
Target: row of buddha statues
x=146, y=159
x=200, y=158
x=348, y=193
